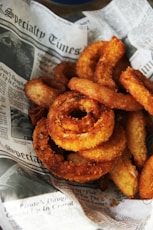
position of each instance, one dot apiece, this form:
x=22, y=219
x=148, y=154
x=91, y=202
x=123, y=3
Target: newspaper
x=32, y=41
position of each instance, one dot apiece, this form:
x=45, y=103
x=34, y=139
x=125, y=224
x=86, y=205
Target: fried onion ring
x=43, y=91
x=86, y=118
x=120, y=66
x=74, y=168
x=146, y=81
x=136, y=137
x=104, y=95
x=109, y=150
x=125, y=175
x=73, y=140
x=146, y=180
x=63, y=71
x=113, y=52
x=133, y=83
x=86, y=63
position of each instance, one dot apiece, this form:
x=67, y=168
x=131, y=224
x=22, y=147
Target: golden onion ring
x=74, y=168
x=104, y=95
x=87, y=61
x=73, y=140
x=112, y=54
x=43, y=91
x=108, y=150
x=133, y=83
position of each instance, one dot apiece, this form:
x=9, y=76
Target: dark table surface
x=65, y=10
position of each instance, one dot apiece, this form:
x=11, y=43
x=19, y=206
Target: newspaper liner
x=32, y=47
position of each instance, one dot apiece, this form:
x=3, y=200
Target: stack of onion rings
x=73, y=168
x=84, y=127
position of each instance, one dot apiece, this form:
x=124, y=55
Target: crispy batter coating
x=120, y=66
x=75, y=118
x=86, y=63
x=125, y=175
x=146, y=180
x=43, y=91
x=146, y=81
x=108, y=150
x=71, y=139
x=136, y=137
x=104, y=95
x=112, y=53
x=131, y=79
x=70, y=167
